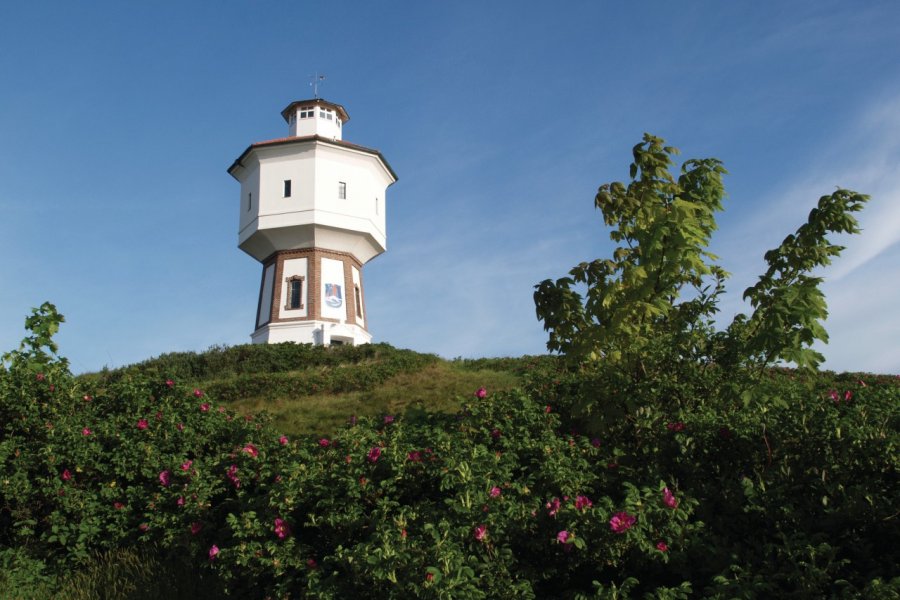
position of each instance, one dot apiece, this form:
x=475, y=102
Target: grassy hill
x=314, y=389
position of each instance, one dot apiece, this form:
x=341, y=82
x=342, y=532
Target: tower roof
x=340, y=110
x=312, y=138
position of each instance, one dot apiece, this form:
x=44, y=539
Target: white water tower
x=312, y=211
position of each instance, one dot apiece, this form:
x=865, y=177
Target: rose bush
x=442, y=506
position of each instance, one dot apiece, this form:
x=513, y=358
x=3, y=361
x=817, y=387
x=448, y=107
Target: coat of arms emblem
x=333, y=297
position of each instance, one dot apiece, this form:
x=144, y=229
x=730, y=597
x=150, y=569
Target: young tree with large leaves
x=645, y=316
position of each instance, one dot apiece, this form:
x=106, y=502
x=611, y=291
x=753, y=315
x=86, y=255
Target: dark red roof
x=310, y=138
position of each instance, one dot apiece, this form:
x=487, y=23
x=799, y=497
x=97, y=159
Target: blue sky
x=118, y=121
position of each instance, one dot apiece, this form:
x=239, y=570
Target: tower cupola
x=315, y=117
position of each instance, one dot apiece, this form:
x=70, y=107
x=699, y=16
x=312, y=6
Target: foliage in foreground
x=504, y=499
x=472, y=505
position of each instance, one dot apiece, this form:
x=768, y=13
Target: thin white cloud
x=862, y=285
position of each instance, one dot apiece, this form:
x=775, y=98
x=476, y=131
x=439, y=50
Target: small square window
x=342, y=190
x=249, y=201
x=287, y=188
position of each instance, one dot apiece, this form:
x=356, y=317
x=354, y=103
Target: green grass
x=314, y=390
x=439, y=387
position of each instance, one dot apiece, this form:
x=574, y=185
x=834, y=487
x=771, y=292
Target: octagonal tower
x=312, y=211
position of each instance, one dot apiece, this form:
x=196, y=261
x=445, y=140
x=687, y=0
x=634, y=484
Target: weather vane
x=316, y=79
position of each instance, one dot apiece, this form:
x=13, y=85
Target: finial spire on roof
x=316, y=79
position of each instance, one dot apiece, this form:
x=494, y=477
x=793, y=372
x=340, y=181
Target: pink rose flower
x=180, y=501
x=231, y=474
x=283, y=440
x=414, y=456
x=66, y=475
x=118, y=505
x=180, y=427
x=583, y=502
x=481, y=393
x=204, y=407
x=562, y=537
x=374, y=454
x=495, y=491
x=213, y=552
x=251, y=450
x=170, y=383
x=86, y=431
x=198, y=393
x=186, y=465
x=553, y=507
x=282, y=529
x=480, y=532
x=621, y=522
x=662, y=546
x=848, y=395
x=165, y=478
x=324, y=443
x=196, y=527
x=388, y=419
x=142, y=424
x=669, y=498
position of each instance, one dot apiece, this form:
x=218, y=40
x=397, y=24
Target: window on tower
x=342, y=190
x=249, y=201
x=287, y=188
x=358, y=301
x=294, y=293
x=307, y=112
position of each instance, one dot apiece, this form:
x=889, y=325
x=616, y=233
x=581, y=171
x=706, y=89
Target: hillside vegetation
x=315, y=389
